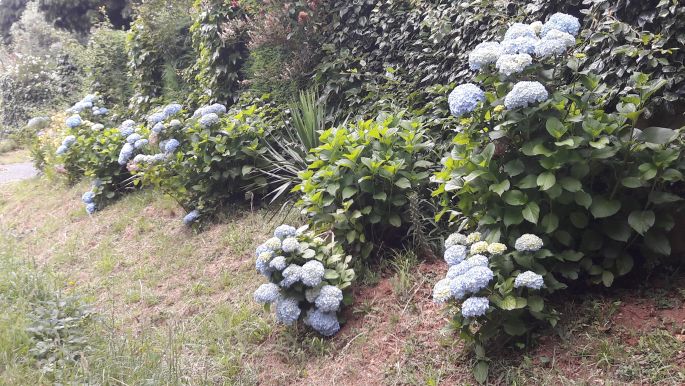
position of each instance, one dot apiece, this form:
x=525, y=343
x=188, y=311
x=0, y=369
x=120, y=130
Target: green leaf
x=500, y=187
x=395, y=220
x=607, y=278
x=403, y=183
x=583, y=199
x=602, y=207
x=641, y=220
x=550, y=223
x=536, y=303
x=658, y=135
x=631, y=182
x=546, y=180
x=514, y=326
x=480, y=371
x=512, y=217
x=348, y=192
x=571, y=184
x=658, y=242
x=578, y=219
x=381, y=196
x=508, y=303
x=331, y=274
x=624, y=264
x=555, y=128
x=515, y=197
x=531, y=212
x=514, y=168
x=617, y=230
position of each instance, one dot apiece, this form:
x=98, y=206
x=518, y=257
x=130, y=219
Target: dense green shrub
x=105, y=67
x=359, y=178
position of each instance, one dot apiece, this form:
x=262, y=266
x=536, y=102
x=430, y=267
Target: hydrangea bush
x=309, y=276
x=538, y=150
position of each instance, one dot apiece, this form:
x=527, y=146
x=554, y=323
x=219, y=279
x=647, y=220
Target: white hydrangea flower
x=536, y=26
x=442, y=291
x=519, y=30
x=472, y=238
x=497, y=248
x=290, y=244
x=529, y=279
x=524, y=94
x=455, y=239
x=273, y=243
x=484, y=54
x=475, y=306
x=479, y=247
x=528, y=243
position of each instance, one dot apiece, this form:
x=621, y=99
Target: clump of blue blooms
x=561, y=22
x=140, y=143
x=518, y=30
x=127, y=127
x=278, y=263
x=520, y=45
x=284, y=231
x=466, y=265
x=216, y=108
x=154, y=118
x=528, y=243
x=209, y=120
x=97, y=127
x=291, y=275
x=172, y=109
x=287, y=310
x=474, y=307
x=126, y=153
x=312, y=273
x=329, y=298
x=73, y=121
x=66, y=144
x=442, y=291
x=91, y=208
x=171, y=145
x=509, y=64
x=554, y=43
x=88, y=197
x=100, y=110
x=290, y=244
x=524, y=94
x=267, y=293
x=464, y=99
x=529, y=279
x=133, y=138
x=325, y=323
x=455, y=239
x=158, y=127
x=175, y=123
x=455, y=254
x=191, y=217
x=483, y=54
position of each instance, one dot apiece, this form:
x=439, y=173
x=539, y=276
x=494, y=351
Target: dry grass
x=14, y=156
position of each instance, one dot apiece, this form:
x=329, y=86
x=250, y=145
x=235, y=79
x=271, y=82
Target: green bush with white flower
x=309, y=278
x=359, y=180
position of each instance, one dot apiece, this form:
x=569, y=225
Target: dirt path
x=17, y=172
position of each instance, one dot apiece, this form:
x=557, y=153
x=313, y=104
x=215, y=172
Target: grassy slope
x=14, y=156
x=176, y=307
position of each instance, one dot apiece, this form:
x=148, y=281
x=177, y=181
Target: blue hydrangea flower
x=290, y=244
x=199, y=112
x=474, y=307
x=466, y=265
x=284, y=231
x=262, y=263
x=172, y=109
x=159, y=157
x=261, y=249
x=97, y=127
x=88, y=197
x=278, y=263
x=518, y=30
x=68, y=140
x=528, y=243
x=520, y=45
x=126, y=131
x=125, y=153
x=91, y=208
x=140, y=143
x=554, y=43
x=464, y=99
x=73, y=121
x=155, y=118
x=140, y=158
x=524, y=94
x=329, y=298
x=127, y=123
x=442, y=291
x=133, y=138
x=96, y=183
x=171, y=145
x=325, y=323
x=455, y=239
x=216, y=108
x=455, y=254
x=209, y=120
x=175, y=123
x=89, y=98
x=529, y=279
x=562, y=22
x=158, y=127
x=273, y=243
x=100, y=111
x=472, y=281
x=509, y=64
x=291, y=275
x=312, y=273
x=191, y=217
x=267, y=293
x=287, y=310
x=484, y=54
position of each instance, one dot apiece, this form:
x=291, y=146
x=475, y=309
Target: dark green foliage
x=79, y=15
x=106, y=69
x=10, y=12
x=265, y=73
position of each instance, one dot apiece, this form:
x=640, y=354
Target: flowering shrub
x=539, y=151
x=359, y=179
x=308, y=276
x=489, y=288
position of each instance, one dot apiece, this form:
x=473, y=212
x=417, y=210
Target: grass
x=172, y=306
x=14, y=156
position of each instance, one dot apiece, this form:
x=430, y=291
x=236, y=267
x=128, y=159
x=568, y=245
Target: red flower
x=302, y=17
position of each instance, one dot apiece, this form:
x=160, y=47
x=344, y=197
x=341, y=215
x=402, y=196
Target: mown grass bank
x=143, y=300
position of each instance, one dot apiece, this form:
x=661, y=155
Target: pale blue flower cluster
x=455, y=254
x=172, y=109
x=171, y=145
x=291, y=275
x=148, y=159
x=474, y=280
x=66, y=144
x=83, y=104
x=509, y=64
x=474, y=261
x=474, y=307
x=91, y=208
x=158, y=127
x=133, y=138
x=329, y=298
x=100, y=110
x=483, y=54
x=97, y=127
x=140, y=143
x=191, y=217
x=73, y=121
x=561, y=22
x=155, y=118
x=529, y=279
x=88, y=197
x=287, y=310
x=311, y=273
x=216, y=108
x=278, y=263
x=283, y=231
x=524, y=94
x=518, y=30
x=464, y=99
x=209, y=120
x=290, y=244
x=126, y=153
x=325, y=323
x=127, y=127
x=554, y=43
x=528, y=243
x=520, y=45
x=267, y=293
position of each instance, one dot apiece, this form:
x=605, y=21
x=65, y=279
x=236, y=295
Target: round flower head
x=484, y=54
x=477, y=278
x=458, y=287
x=472, y=238
x=175, y=123
x=209, y=120
x=290, y=244
x=73, y=121
x=325, y=323
x=273, y=243
x=513, y=63
x=172, y=109
x=554, y=43
x=496, y=248
x=97, y=127
x=126, y=131
x=216, y=108
x=129, y=123
x=140, y=143
x=312, y=273
x=267, y=293
x=278, y=263
x=61, y=150
x=329, y=298
x=133, y=138
x=287, y=310
x=125, y=153
x=171, y=145
x=100, y=111
x=262, y=263
x=479, y=247
x=455, y=254
x=191, y=217
x=283, y=231
x=68, y=140
x=158, y=127
x=528, y=243
x=199, y=112
x=442, y=291
x=524, y=94
x=159, y=157
x=529, y=279
x=91, y=208
x=291, y=275
x=562, y=22
x=474, y=307
x=455, y=239
x=536, y=26
x=140, y=158
x=155, y=118
x=518, y=30
x=88, y=197
x=89, y=98
x=261, y=249
x=520, y=45
x=464, y=99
